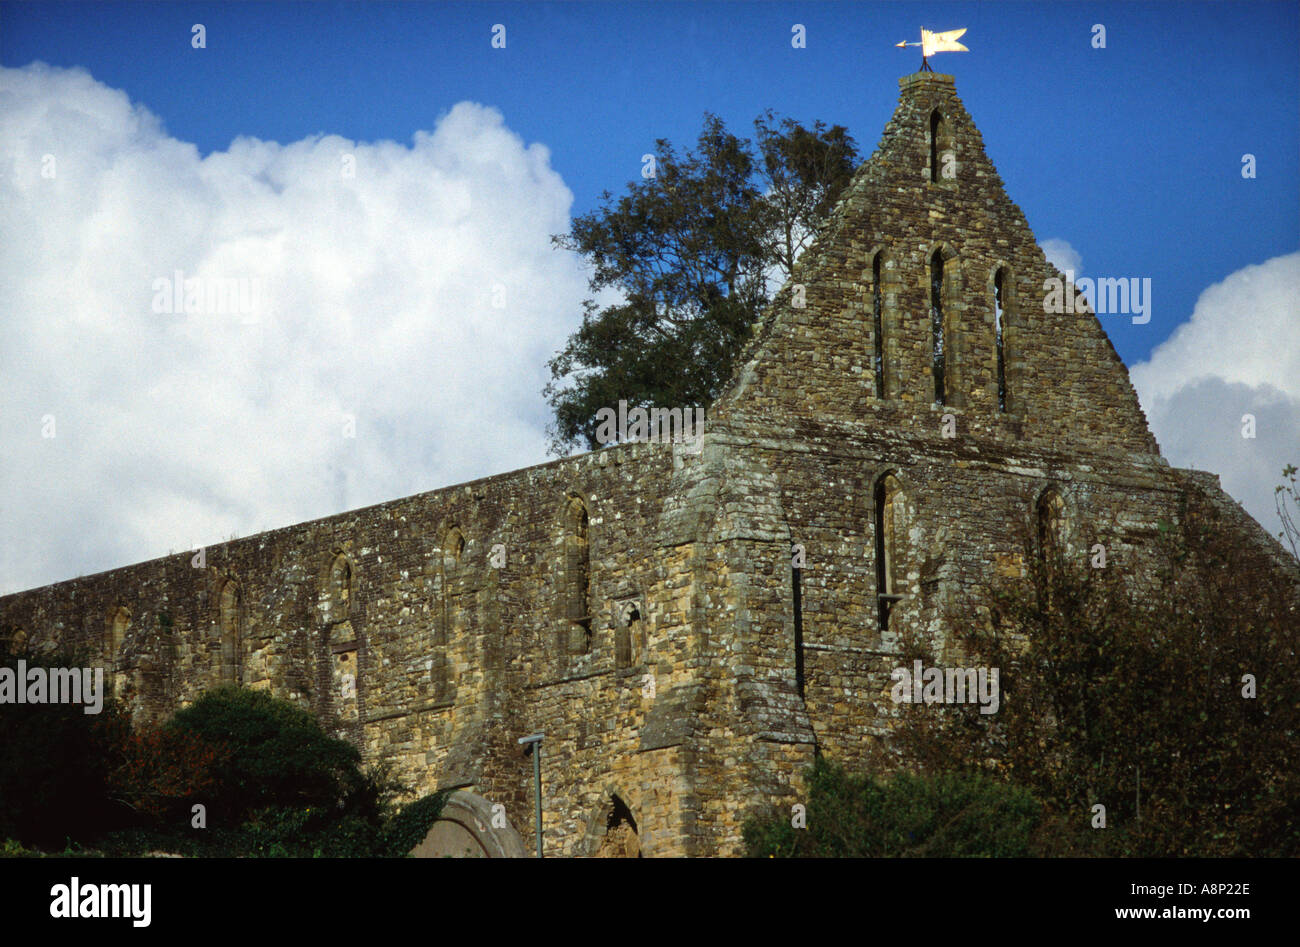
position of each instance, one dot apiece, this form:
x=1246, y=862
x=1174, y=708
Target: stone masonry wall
x=435, y=630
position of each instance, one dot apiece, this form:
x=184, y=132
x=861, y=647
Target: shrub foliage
x=271, y=782
x=902, y=816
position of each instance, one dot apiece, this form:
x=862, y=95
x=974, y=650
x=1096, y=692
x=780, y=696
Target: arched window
x=1050, y=517
x=627, y=635
x=340, y=588
x=878, y=317
x=341, y=660
x=118, y=623
x=796, y=581
x=228, y=625
x=938, y=353
x=453, y=547
x=891, y=537
x=577, y=576
x=942, y=156
x=1001, y=298
x=449, y=621
x=620, y=838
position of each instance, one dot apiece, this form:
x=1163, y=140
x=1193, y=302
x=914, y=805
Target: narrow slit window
x=889, y=527
x=577, y=569
x=1052, y=527
x=453, y=548
x=340, y=590
x=936, y=123
x=999, y=313
x=118, y=625
x=936, y=326
x=797, y=582
x=341, y=664
x=942, y=153
x=228, y=620
x=877, y=305
x=627, y=635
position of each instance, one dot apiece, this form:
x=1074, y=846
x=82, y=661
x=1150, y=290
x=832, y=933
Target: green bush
x=309, y=833
x=13, y=849
x=945, y=816
x=279, y=758
x=315, y=833
x=273, y=782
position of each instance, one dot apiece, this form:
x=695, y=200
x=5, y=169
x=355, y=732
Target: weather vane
x=932, y=43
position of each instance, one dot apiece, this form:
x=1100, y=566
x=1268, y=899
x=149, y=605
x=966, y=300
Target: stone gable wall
x=1069, y=390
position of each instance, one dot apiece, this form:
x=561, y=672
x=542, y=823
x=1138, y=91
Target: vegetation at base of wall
x=1146, y=717
x=271, y=782
x=408, y=827
x=291, y=832
x=56, y=763
x=1170, y=701
x=161, y=773
x=275, y=756
x=900, y=816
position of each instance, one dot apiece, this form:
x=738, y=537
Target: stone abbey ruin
x=904, y=406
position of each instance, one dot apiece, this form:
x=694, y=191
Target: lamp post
x=534, y=746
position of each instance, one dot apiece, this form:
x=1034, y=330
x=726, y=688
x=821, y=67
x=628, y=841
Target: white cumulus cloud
x=407, y=293
x=1238, y=355
x=1062, y=256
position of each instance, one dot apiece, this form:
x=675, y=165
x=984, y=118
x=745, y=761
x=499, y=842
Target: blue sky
x=1131, y=153
x=405, y=314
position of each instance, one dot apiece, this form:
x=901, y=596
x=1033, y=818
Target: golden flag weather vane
x=932, y=43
